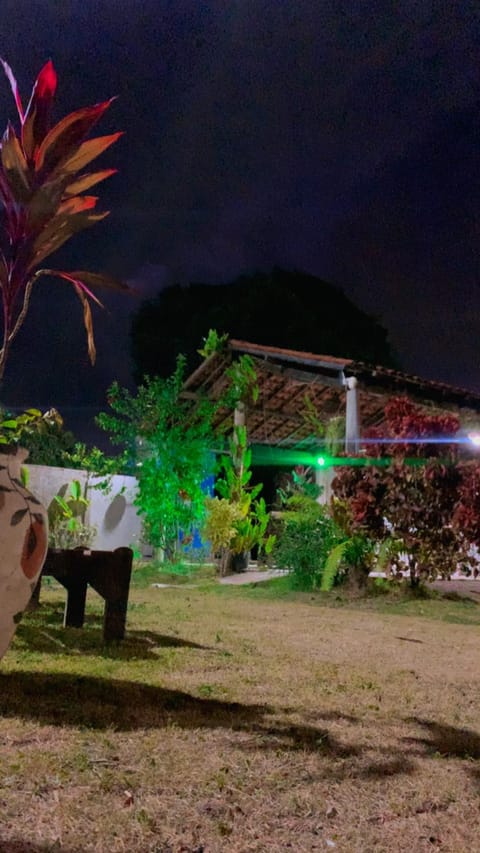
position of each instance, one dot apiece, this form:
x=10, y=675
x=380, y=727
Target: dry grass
x=235, y=722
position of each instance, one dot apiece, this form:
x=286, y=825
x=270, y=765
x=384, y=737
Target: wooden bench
x=107, y=572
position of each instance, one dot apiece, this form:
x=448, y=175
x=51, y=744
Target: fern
x=332, y=565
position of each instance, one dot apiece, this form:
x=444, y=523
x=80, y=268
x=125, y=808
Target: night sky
x=337, y=138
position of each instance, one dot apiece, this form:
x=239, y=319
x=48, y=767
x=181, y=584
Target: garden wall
x=113, y=514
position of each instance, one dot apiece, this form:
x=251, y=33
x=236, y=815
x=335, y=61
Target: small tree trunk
x=414, y=578
x=357, y=577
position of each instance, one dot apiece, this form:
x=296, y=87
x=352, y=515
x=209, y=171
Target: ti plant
x=43, y=200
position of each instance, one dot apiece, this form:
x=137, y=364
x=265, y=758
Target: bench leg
x=74, y=615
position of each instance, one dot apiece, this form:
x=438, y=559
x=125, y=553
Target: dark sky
x=340, y=138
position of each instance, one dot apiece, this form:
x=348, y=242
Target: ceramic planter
x=23, y=543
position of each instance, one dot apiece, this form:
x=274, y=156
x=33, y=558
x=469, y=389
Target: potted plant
x=66, y=519
x=237, y=521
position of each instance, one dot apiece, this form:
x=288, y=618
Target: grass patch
x=149, y=572
x=243, y=719
x=429, y=605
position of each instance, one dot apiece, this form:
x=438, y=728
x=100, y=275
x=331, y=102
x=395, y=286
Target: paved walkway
x=466, y=587
x=252, y=576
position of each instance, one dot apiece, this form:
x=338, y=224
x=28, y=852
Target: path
x=466, y=587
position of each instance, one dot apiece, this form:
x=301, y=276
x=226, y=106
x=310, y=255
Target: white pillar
x=352, y=426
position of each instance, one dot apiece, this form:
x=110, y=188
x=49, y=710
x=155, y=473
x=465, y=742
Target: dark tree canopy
x=284, y=309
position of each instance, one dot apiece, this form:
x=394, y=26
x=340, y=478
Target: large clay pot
x=23, y=543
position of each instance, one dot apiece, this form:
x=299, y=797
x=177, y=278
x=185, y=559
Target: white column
x=352, y=426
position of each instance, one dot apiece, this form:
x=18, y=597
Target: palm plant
x=42, y=193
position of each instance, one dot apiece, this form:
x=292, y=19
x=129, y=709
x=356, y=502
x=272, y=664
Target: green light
x=288, y=458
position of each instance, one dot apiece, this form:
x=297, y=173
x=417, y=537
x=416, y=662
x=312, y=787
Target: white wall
x=113, y=514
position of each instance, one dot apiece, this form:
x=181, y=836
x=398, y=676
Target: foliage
x=334, y=435
x=308, y=535
x=350, y=560
x=13, y=426
x=242, y=382
x=310, y=416
x=221, y=518
x=413, y=502
x=97, y=463
x=466, y=517
x=238, y=520
x=43, y=435
x=48, y=443
x=251, y=530
x=66, y=518
x=213, y=343
x=42, y=186
x=279, y=308
x=300, y=481
x=236, y=473
x=166, y=441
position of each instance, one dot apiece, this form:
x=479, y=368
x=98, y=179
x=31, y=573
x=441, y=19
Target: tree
x=42, y=186
x=411, y=503
x=284, y=309
x=167, y=445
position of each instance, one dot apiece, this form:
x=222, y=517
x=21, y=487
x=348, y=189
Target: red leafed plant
x=42, y=193
x=421, y=499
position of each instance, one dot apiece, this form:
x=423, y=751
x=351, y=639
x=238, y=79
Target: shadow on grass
x=68, y=700
x=447, y=741
x=16, y=845
x=49, y=637
x=63, y=699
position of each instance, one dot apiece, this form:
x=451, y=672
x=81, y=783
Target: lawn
x=243, y=719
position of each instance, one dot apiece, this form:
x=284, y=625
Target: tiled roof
x=287, y=377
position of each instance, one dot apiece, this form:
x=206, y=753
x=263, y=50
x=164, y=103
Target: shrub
x=419, y=502
x=308, y=534
x=351, y=561
x=221, y=518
